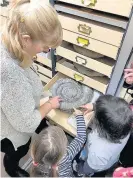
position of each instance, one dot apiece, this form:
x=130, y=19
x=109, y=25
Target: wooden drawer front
x=119, y=7
x=90, y=29
x=103, y=68
x=89, y=43
x=44, y=78
x=44, y=61
x=43, y=70
x=98, y=83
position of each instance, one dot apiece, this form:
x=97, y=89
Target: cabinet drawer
x=44, y=78
x=98, y=83
x=119, y=7
x=91, y=29
x=89, y=43
x=43, y=70
x=67, y=51
x=44, y=61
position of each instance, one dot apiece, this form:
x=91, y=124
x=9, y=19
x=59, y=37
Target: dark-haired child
x=110, y=133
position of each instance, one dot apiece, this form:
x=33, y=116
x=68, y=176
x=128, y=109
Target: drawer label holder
x=83, y=42
x=78, y=78
x=89, y=3
x=84, y=29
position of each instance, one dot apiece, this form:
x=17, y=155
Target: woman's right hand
x=55, y=102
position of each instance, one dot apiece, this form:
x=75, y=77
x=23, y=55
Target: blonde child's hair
x=47, y=150
x=37, y=19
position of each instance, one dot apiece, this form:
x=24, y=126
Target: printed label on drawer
x=89, y=2
x=82, y=41
x=78, y=78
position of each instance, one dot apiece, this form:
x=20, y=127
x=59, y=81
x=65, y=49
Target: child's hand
x=77, y=112
x=88, y=108
x=128, y=75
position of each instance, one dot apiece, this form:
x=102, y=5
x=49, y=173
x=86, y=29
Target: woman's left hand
x=55, y=102
x=128, y=75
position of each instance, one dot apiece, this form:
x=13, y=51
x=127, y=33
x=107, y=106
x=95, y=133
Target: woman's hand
x=88, y=108
x=52, y=103
x=55, y=102
x=128, y=75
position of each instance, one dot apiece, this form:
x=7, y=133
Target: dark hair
x=113, y=118
x=47, y=150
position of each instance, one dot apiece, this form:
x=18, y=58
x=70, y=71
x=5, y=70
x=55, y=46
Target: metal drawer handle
x=84, y=29
x=78, y=77
x=81, y=60
x=89, y=3
x=83, y=42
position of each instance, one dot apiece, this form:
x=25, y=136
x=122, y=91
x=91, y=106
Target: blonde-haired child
x=51, y=155
x=31, y=27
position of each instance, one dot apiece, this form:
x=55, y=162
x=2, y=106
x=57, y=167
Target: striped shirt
x=65, y=167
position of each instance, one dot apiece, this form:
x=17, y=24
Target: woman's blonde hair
x=37, y=19
x=47, y=150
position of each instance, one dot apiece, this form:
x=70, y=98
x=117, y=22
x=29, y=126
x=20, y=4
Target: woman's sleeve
x=18, y=104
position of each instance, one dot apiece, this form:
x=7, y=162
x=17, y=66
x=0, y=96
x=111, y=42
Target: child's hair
x=113, y=118
x=47, y=150
x=37, y=19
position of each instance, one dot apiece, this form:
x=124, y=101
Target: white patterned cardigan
x=21, y=91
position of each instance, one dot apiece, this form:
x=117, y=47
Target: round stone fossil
x=72, y=93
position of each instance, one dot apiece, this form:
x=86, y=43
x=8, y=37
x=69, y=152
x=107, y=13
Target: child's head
x=32, y=27
x=47, y=150
x=113, y=118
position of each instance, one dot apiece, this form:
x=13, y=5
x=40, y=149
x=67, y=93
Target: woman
x=30, y=29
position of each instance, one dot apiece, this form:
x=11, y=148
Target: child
x=51, y=155
x=110, y=133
